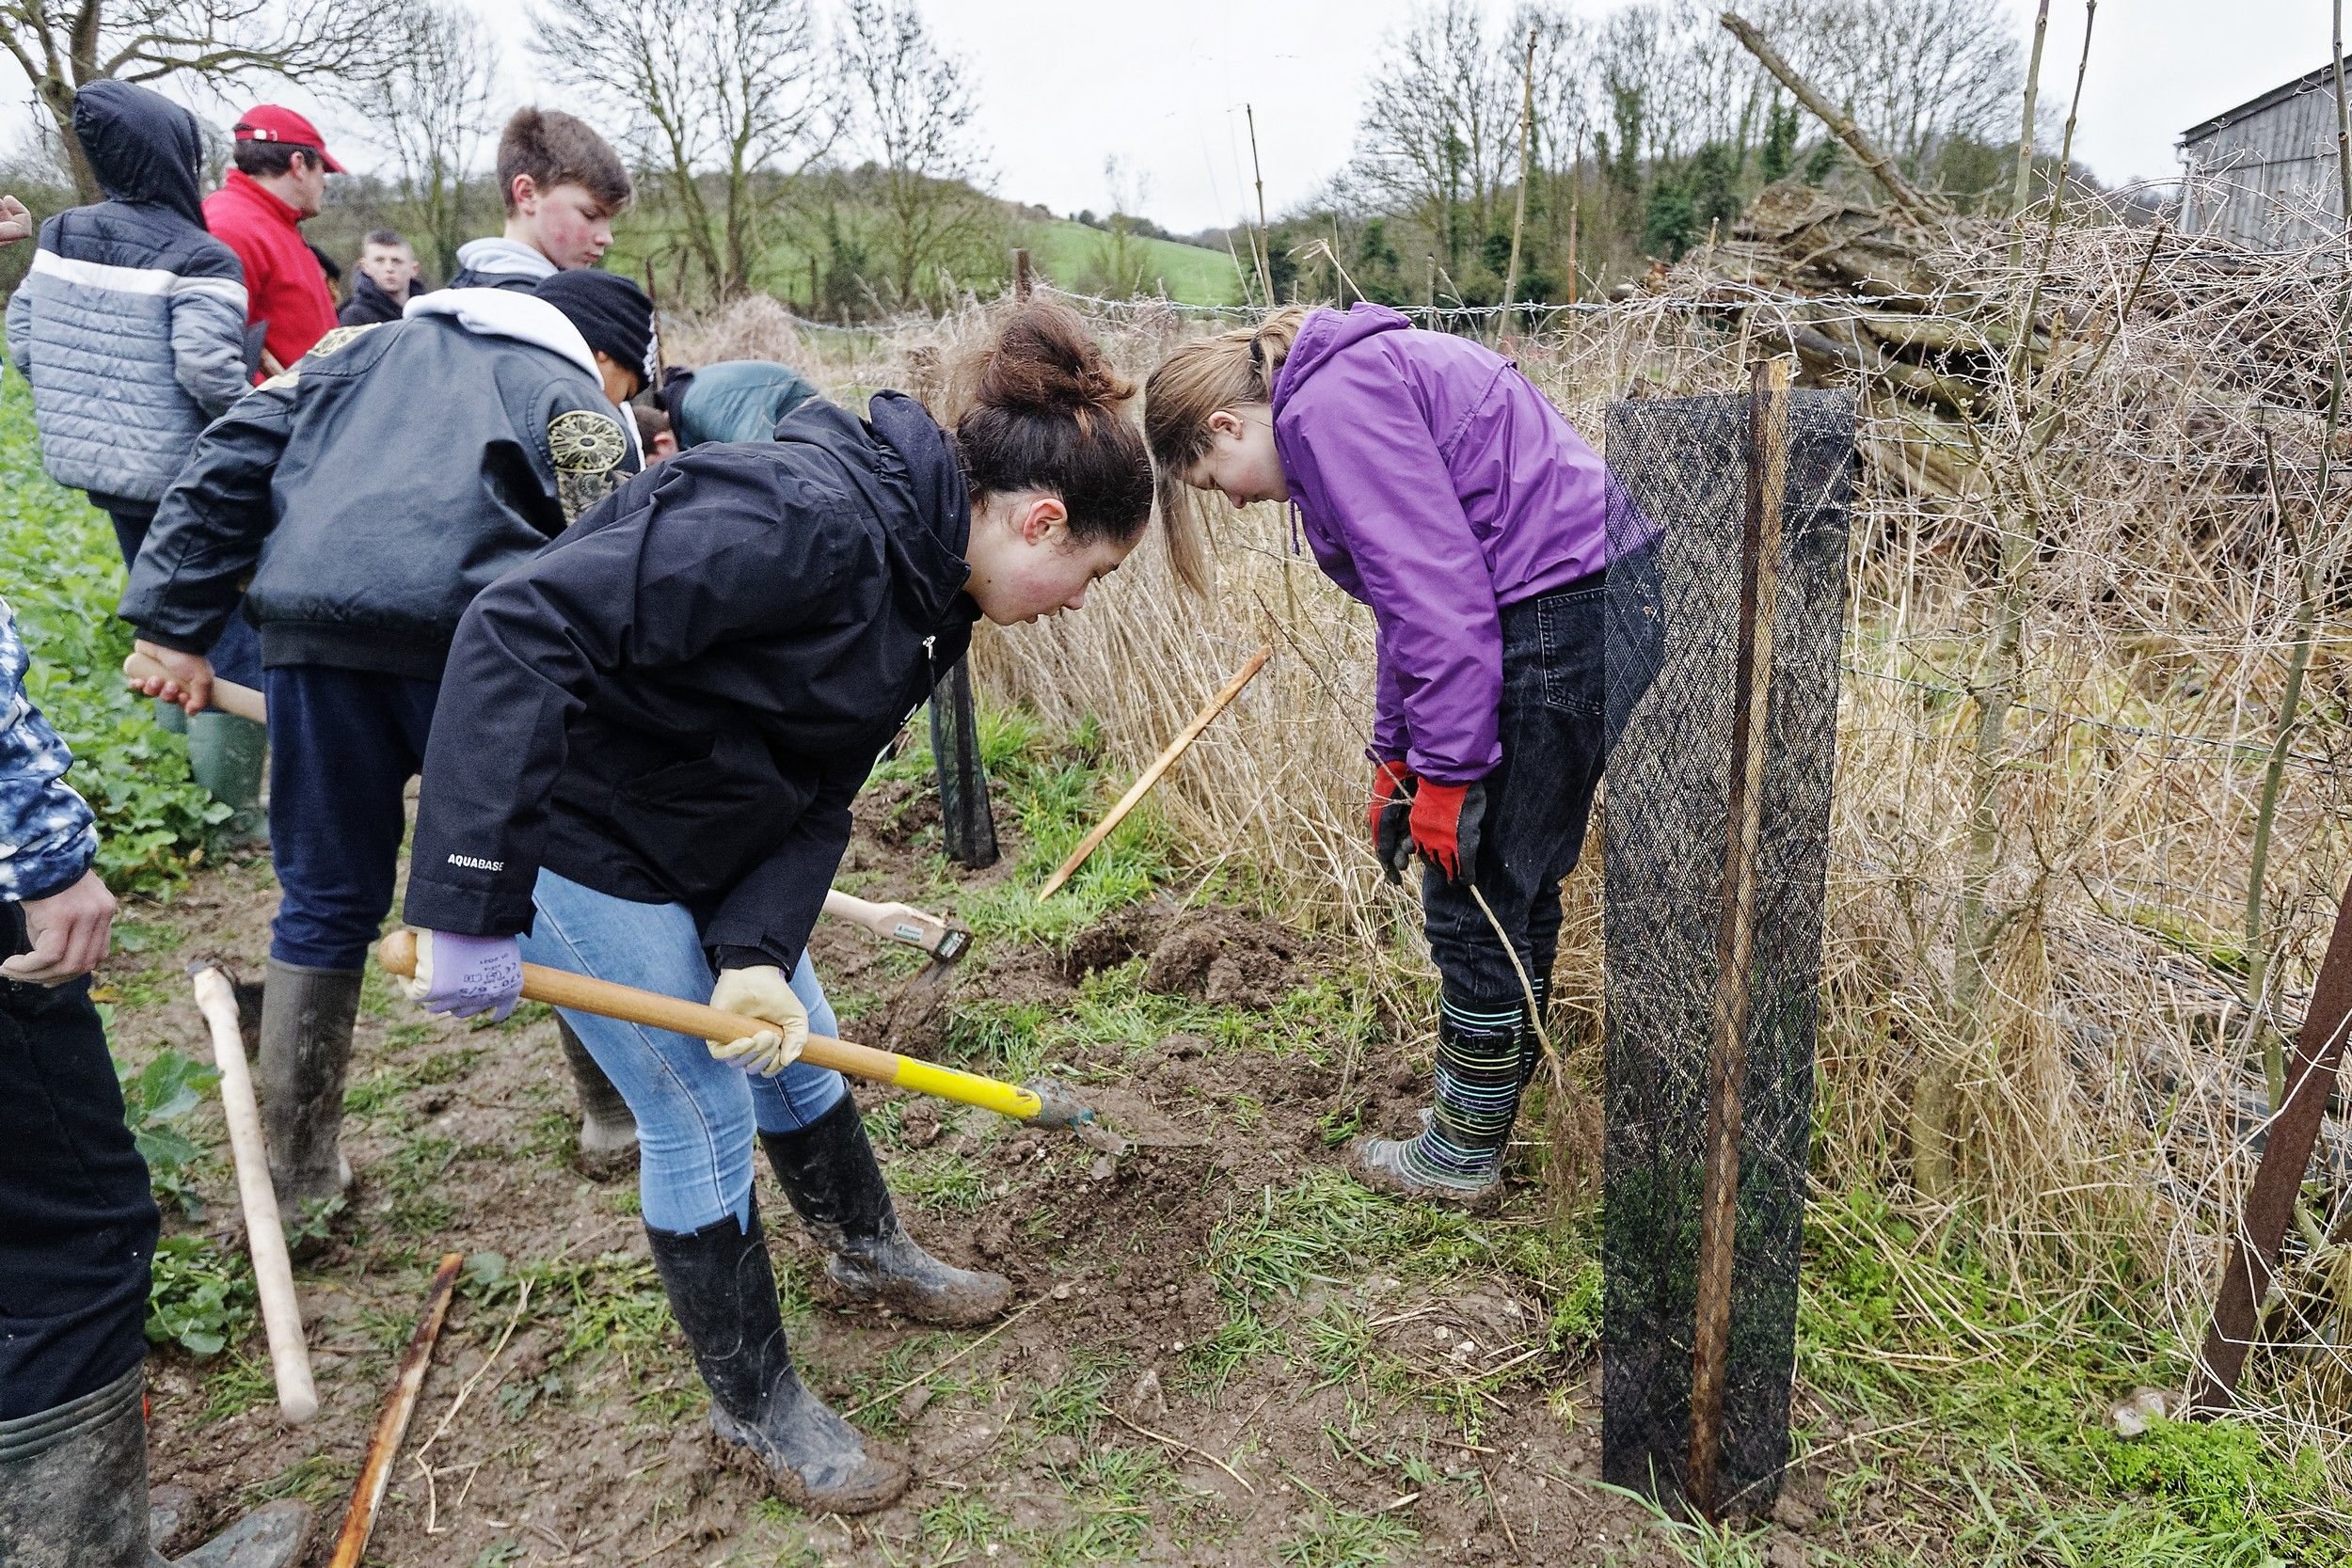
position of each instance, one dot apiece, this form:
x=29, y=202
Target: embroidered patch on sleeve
x=339, y=338
x=587, y=446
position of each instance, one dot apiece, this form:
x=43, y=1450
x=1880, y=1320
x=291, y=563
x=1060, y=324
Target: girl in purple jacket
x=1438, y=486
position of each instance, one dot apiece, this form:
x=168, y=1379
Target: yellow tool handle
x=560, y=987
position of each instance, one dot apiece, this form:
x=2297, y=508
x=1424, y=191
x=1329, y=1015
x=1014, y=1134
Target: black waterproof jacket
x=369, y=304
x=375, y=487
x=675, y=702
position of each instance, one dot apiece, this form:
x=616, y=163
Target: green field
x=1066, y=252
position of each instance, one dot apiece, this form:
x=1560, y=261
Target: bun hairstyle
x=1230, y=372
x=1043, y=410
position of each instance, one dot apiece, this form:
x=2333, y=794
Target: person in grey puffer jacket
x=131, y=328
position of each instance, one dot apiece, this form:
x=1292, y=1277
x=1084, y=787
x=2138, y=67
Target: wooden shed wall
x=2267, y=179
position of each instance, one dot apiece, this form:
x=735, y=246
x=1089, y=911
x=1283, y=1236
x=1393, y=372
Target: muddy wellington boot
x=307, y=1016
x=1457, y=1157
x=828, y=1171
x=73, y=1493
x=723, y=1295
x=224, y=754
x=607, y=1130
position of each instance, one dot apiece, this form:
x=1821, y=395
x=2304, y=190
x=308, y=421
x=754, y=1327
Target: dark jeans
x=78, y=1226
x=1539, y=800
x=342, y=746
x=237, y=656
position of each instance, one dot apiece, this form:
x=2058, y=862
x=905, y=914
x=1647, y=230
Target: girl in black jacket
x=642, y=760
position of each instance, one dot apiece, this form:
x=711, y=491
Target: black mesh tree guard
x=967, y=828
x=1680, y=511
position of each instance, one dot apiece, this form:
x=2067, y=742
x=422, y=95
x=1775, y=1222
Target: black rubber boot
x=723, y=1295
x=307, y=1016
x=73, y=1493
x=829, y=1172
x=608, y=1128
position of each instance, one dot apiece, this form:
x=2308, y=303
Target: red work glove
x=1392, y=785
x=1445, y=825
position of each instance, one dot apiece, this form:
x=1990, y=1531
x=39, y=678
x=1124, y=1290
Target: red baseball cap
x=273, y=122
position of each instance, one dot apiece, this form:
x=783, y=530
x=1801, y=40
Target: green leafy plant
x=157, y=1100
x=64, y=575
x=200, y=1298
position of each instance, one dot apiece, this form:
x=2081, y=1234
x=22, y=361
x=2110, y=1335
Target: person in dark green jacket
x=738, y=400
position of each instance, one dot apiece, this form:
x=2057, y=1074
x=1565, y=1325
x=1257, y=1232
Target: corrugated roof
x=2309, y=82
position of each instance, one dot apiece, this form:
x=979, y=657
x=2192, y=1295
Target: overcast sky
x=1065, y=84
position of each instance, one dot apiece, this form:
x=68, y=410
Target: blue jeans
x=342, y=746
x=697, y=1117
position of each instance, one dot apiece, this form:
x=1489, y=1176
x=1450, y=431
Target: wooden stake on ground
x=1726, y=1066
x=2286, y=1156
x=265, y=1231
x=375, y=1474
x=1152, y=775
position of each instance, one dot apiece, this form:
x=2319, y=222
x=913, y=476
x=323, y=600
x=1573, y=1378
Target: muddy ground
x=1221, y=1352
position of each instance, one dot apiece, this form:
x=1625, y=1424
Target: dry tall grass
x=2104, y=1104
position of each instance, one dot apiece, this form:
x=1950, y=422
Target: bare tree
x=64, y=45
x=1917, y=72
x=1437, y=135
x=726, y=104
x=433, y=99
x=915, y=109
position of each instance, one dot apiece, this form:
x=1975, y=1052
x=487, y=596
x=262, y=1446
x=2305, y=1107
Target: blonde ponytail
x=1232, y=371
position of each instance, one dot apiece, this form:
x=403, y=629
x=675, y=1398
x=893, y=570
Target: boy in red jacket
x=281, y=179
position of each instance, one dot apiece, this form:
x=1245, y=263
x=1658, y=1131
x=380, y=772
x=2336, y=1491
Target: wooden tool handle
x=265, y=1233
x=228, y=696
x=891, y=922
x=561, y=988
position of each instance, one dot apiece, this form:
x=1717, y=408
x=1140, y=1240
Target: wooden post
x=2286, y=1155
x=1518, y=216
x=1022, y=281
x=1576, y=202
x=1262, y=246
x=815, y=297
x=1726, y=1067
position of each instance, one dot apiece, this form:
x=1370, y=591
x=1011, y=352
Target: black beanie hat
x=612, y=312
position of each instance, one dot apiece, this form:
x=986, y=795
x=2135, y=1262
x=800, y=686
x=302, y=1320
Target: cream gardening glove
x=763, y=993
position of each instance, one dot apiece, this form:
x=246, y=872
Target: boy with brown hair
x=563, y=185
x=384, y=281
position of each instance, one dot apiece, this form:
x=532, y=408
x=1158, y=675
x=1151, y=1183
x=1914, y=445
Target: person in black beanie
x=369, y=493
x=616, y=318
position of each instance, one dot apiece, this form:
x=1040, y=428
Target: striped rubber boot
x=1459, y=1156
x=1532, y=1041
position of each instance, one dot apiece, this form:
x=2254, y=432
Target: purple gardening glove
x=462, y=975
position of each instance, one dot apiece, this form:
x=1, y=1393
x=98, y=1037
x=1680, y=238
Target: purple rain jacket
x=1438, y=485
